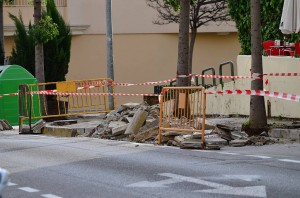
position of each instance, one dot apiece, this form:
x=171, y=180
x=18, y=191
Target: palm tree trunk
x=258, y=118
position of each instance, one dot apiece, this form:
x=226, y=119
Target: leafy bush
x=270, y=19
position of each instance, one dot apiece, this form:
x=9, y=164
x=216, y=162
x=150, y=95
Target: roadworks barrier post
x=182, y=109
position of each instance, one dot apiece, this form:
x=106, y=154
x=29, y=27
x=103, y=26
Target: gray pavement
x=53, y=167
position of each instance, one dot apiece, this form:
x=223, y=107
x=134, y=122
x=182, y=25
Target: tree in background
x=57, y=52
x=56, y=46
x=201, y=12
x=2, y=52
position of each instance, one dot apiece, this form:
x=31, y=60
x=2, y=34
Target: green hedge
x=271, y=14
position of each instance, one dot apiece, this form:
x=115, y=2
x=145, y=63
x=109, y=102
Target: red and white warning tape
x=254, y=76
x=87, y=94
x=284, y=96
x=276, y=74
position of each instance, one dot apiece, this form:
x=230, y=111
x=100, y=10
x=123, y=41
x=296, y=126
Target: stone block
x=295, y=134
x=138, y=120
x=275, y=133
x=285, y=133
x=119, y=130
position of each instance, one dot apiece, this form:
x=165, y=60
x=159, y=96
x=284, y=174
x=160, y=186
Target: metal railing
x=15, y=3
x=59, y=99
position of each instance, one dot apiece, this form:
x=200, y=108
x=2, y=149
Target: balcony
x=25, y=3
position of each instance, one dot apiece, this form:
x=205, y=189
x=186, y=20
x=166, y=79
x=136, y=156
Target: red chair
x=297, y=48
x=288, y=52
x=267, y=46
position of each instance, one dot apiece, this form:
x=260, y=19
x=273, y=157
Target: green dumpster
x=11, y=76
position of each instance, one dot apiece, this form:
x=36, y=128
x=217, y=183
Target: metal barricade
x=59, y=99
x=182, y=109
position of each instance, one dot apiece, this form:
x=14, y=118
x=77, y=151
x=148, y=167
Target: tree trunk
x=39, y=55
x=258, y=118
x=39, y=52
x=183, y=44
x=2, y=54
x=191, y=52
x=39, y=63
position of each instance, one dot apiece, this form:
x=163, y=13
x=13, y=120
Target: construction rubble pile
x=139, y=123
x=4, y=125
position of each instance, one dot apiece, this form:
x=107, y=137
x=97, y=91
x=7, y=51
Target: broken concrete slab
x=216, y=141
x=260, y=140
x=131, y=105
x=37, y=127
x=239, y=135
x=187, y=142
x=174, y=133
x=225, y=134
x=238, y=143
x=150, y=123
x=149, y=134
x=116, y=131
x=113, y=116
x=138, y=120
x=4, y=125
x=117, y=127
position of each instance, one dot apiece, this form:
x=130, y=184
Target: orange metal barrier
x=182, y=109
x=49, y=104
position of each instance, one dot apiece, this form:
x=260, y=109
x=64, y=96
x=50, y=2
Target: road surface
x=52, y=167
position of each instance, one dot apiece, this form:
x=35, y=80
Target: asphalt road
x=51, y=167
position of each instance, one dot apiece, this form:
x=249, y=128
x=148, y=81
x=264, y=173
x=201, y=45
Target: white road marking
x=203, y=151
x=259, y=156
x=158, y=184
x=288, y=160
x=251, y=191
x=248, y=178
x=11, y=184
x=227, y=153
x=50, y=196
x=28, y=189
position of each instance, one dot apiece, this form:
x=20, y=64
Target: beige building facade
x=142, y=51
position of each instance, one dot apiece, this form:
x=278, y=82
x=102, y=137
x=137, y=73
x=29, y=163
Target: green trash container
x=11, y=76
